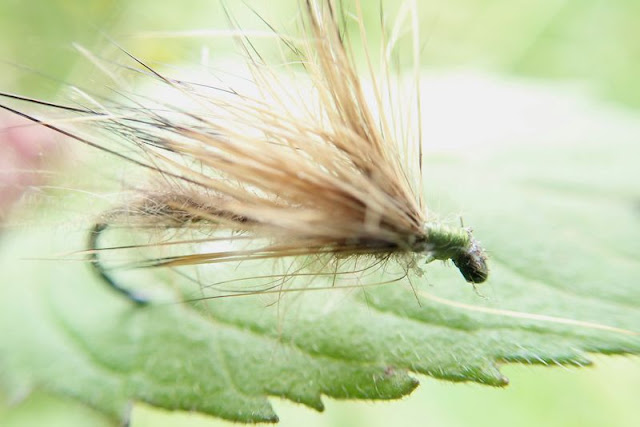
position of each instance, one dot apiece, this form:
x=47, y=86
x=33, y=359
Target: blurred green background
x=596, y=42
x=592, y=43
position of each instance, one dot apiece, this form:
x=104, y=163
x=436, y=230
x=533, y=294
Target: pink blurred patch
x=24, y=147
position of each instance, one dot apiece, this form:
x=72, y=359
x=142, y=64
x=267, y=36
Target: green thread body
x=457, y=244
x=446, y=242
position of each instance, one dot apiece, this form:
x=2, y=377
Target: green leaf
x=559, y=216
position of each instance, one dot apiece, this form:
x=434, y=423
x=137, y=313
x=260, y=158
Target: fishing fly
x=321, y=172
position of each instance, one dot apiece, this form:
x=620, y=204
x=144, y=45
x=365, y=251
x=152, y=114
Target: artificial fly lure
x=315, y=172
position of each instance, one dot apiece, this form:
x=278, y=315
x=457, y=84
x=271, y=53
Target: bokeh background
x=593, y=45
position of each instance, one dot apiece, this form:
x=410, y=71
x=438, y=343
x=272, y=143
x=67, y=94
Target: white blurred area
x=465, y=110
